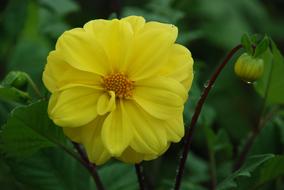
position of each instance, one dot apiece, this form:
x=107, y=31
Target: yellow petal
x=175, y=128
x=131, y=157
x=116, y=131
x=150, y=49
x=73, y=107
x=180, y=65
x=106, y=103
x=73, y=133
x=115, y=37
x=149, y=136
x=82, y=52
x=59, y=75
x=92, y=141
x=161, y=97
x=53, y=71
x=137, y=22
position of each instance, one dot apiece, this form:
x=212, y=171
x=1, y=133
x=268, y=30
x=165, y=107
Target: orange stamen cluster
x=119, y=84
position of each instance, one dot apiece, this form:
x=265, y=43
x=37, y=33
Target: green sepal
x=247, y=44
x=261, y=47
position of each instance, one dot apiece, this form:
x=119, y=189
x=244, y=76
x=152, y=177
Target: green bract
x=249, y=68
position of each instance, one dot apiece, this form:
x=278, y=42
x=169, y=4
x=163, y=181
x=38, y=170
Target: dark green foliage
x=272, y=79
x=29, y=129
x=35, y=155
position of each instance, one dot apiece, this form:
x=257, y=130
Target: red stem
x=191, y=127
x=91, y=167
x=140, y=176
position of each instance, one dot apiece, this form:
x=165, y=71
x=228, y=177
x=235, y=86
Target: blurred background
x=209, y=28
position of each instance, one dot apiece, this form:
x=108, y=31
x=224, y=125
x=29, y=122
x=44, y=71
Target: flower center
x=120, y=84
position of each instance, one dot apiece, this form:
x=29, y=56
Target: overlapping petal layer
x=143, y=65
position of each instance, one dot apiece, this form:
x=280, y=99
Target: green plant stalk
x=34, y=86
x=191, y=127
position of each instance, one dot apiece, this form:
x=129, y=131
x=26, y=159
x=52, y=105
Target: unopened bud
x=249, y=68
x=16, y=79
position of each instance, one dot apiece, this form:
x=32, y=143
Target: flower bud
x=16, y=79
x=249, y=68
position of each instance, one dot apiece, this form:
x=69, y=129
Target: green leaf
x=51, y=169
x=186, y=185
x=11, y=94
x=252, y=163
x=29, y=56
x=118, y=175
x=269, y=171
x=247, y=44
x=223, y=141
x=7, y=181
x=14, y=17
x=218, y=143
x=272, y=79
x=261, y=47
x=61, y=7
x=198, y=169
x=29, y=129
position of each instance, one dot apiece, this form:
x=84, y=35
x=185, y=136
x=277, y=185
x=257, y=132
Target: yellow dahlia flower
x=119, y=86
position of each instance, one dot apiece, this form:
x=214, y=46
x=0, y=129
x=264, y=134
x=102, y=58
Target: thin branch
x=91, y=167
x=140, y=176
x=191, y=127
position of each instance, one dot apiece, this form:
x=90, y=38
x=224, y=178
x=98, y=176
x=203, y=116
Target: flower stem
x=34, y=86
x=140, y=176
x=191, y=127
x=91, y=167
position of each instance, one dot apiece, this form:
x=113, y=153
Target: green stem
x=34, y=86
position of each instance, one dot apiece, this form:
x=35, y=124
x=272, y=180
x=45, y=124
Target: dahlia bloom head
x=119, y=87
